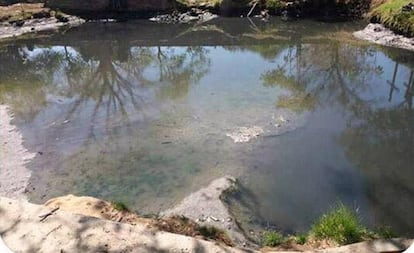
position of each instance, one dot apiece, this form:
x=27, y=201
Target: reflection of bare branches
x=392, y=83
x=409, y=93
x=338, y=72
x=180, y=70
x=109, y=86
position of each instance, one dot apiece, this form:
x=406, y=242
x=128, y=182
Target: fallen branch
x=44, y=216
x=252, y=9
x=53, y=230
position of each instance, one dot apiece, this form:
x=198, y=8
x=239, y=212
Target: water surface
x=138, y=112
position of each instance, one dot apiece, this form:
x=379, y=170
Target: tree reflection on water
x=378, y=139
x=108, y=77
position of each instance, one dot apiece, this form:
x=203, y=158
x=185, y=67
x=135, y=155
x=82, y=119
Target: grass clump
x=120, y=206
x=385, y=232
x=392, y=14
x=340, y=224
x=301, y=239
x=272, y=238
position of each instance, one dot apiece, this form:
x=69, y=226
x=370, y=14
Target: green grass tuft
x=301, y=239
x=120, y=206
x=272, y=238
x=340, y=225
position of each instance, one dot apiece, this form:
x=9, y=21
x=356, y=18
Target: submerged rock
x=245, y=134
x=281, y=122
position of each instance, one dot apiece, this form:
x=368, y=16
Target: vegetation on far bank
x=397, y=15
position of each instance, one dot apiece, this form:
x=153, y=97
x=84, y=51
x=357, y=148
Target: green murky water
x=139, y=113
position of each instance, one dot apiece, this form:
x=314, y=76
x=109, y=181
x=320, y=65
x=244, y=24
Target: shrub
x=340, y=225
x=272, y=238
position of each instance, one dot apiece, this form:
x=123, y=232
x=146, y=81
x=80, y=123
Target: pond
x=141, y=113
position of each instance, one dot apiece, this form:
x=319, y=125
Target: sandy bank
x=378, y=34
x=26, y=227
x=24, y=231
x=14, y=175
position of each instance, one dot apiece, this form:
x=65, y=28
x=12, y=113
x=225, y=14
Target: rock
x=377, y=33
x=408, y=8
x=245, y=134
x=18, y=23
x=207, y=202
x=65, y=231
x=43, y=24
x=377, y=29
x=3, y=247
x=194, y=15
x=285, y=15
